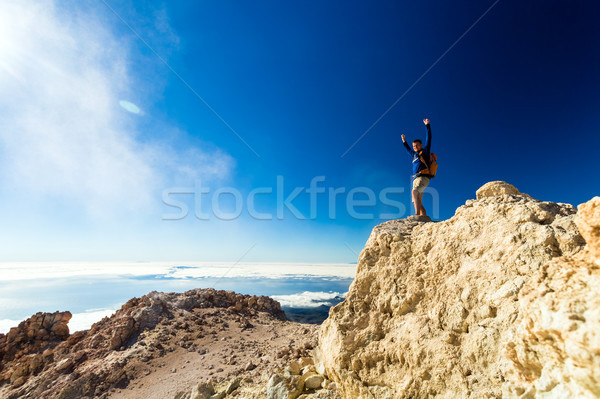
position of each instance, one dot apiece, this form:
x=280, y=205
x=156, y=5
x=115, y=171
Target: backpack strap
x=425, y=172
x=423, y=159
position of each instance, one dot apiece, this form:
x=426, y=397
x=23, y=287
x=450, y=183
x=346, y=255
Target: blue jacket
x=417, y=164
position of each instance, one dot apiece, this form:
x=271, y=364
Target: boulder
x=281, y=387
x=496, y=188
x=313, y=381
x=202, y=390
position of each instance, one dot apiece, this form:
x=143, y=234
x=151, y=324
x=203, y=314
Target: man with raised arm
x=420, y=154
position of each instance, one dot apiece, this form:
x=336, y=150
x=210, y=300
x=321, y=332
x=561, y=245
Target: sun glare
x=131, y=107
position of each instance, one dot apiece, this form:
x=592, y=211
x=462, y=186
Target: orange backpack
x=432, y=165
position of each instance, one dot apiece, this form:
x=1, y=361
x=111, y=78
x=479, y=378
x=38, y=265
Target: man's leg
x=423, y=212
x=417, y=201
x=419, y=185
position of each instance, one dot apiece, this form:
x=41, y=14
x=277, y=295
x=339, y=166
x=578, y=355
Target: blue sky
x=83, y=177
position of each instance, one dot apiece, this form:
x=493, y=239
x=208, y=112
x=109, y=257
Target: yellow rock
x=498, y=301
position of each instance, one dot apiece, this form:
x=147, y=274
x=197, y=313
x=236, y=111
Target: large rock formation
x=498, y=301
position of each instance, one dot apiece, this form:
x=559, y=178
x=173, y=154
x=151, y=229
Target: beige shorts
x=420, y=183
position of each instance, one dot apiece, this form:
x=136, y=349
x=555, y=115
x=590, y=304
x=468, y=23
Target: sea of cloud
x=93, y=290
x=17, y=271
x=309, y=299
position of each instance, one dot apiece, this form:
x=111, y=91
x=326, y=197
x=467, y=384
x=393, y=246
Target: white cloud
x=18, y=271
x=309, y=299
x=63, y=132
x=7, y=324
x=79, y=321
x=84, y=321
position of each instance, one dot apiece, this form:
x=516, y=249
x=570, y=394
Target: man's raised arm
x=410, y=150
x=427, y=145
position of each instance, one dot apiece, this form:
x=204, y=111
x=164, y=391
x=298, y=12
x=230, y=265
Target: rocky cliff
x=501, y=300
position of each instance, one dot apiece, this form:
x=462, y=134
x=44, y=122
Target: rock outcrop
x=35, y=334
x=496, y=188
x=501, y=300
x=555, y=349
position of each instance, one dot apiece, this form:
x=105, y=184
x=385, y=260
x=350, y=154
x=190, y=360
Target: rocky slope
x=501, y=300
x=156, y=346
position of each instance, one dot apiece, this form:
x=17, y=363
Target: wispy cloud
x=64, y=132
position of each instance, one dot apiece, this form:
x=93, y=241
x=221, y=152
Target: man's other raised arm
x=427, y=145
x=410, y=150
